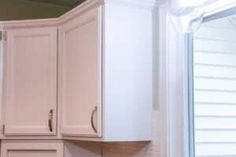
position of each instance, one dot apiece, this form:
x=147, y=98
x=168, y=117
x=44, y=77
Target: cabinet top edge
x=28, y=23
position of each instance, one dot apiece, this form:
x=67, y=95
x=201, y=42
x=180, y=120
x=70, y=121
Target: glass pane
x=215, y=88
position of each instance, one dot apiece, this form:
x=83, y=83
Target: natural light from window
x=215, y=88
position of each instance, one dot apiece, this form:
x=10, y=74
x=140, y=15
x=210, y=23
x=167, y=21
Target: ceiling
x=69, y=3
x=35, y=9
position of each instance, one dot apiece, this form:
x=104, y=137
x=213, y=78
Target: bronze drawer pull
x=92, y=119
x=50, y=119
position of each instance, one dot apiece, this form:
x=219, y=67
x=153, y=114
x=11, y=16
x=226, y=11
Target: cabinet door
x=30, y=81
x=50, y=149
x=80, y=77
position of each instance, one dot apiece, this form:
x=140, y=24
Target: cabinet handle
x=92, y=119
x=3, y=35
x=50, y=119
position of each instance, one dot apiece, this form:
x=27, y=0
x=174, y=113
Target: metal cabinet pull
x=3, y=35
x=50, y=119
x=92, y=119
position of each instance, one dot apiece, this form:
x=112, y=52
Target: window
x=197, y=111
x=214, y=90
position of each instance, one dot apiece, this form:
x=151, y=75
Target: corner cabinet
x=105, y=74
x=30, y=81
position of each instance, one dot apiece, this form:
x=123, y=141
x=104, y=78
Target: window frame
x=176, y=95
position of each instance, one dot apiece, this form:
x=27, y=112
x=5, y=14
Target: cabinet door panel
x=30, y=81
x=80, y=79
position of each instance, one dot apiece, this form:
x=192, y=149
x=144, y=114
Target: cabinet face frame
x=93, y=15
x=8, y=72
x=32, y=146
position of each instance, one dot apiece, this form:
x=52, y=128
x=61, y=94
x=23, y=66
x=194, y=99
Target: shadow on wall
x=22, y=9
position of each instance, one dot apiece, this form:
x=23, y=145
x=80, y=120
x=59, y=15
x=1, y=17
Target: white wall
x=215, y=89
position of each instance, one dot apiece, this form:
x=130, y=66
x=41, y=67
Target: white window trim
x=174, y=84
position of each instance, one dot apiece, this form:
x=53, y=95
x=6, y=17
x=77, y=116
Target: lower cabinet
x=13, y=148
x=49, y=148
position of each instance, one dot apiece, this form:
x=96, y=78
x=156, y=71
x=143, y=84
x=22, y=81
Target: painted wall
x=21, y=9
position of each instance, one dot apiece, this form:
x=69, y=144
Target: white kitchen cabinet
x=49, y=148
x=30, y=81
x=98, y=87
x=32, y=149
x=106, y=72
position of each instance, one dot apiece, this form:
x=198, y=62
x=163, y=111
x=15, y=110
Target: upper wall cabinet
x=104, y=85
x=30, y=81
x=80, y=78
x=105, y=73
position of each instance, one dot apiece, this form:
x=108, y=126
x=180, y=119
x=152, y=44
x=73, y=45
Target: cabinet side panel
x=128, y=73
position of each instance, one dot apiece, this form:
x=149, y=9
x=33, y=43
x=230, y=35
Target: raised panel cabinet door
x=80, y=75
x=30, y=81
x=50, y=149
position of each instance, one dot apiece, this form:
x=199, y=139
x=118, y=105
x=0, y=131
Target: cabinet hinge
x=3, y=129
